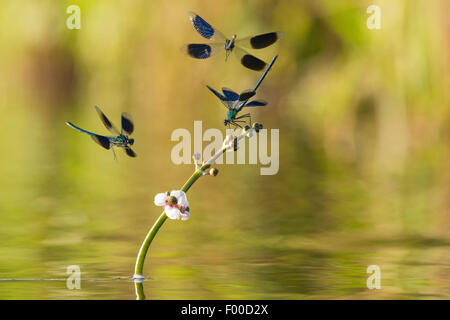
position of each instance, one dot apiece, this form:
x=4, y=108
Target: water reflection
x=308, y=268
x=140, y=295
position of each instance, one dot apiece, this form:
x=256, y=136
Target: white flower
x=175, y=204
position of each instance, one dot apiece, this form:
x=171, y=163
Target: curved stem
x=146, y=244
x=159, y=222
x=138, y=276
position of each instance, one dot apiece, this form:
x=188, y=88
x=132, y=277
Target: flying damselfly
x=203, y=51
x=120, y=139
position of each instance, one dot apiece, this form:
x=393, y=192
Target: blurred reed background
x=364, y=142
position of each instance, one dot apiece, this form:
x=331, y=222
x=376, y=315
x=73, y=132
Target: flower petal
x=176, y=193
x=186, y=215
x=172, y=212
x=160, y=199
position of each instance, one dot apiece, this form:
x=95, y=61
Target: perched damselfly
x=235, y=102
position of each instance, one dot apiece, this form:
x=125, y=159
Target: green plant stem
x=159, y=222
x=138, y=276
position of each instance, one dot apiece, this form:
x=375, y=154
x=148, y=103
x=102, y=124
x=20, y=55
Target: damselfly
x=120, y=139
x=203, y=51
x=235, y=102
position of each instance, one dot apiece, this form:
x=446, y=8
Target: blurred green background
x=364, y=142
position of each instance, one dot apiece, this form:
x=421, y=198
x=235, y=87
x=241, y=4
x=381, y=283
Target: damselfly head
x=131, y=141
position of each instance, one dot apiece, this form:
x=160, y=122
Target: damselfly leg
x=247, y=115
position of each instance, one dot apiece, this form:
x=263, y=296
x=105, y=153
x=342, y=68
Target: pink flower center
x=178, y=206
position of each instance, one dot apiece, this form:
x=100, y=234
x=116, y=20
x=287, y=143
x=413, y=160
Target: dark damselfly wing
x=217, y=94
x=205, y=29
x=108, y=124
x=230, y=94
x=130, y=152
x=228, y=99
x=101, y=140
x=127, y=123
x=247, y=94
x=201, y=50
x=260, y=41
x=256, y=103
x=249, y=61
